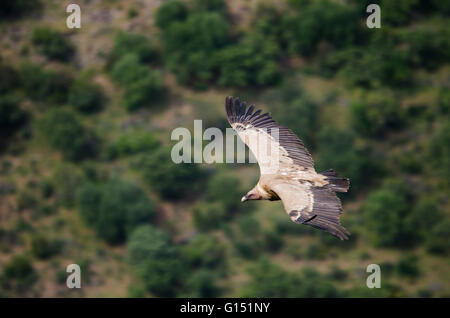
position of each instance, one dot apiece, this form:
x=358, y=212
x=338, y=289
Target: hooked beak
x=244, y=198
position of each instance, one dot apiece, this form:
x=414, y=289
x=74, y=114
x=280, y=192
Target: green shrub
x=267, y=20
x=444, y=100
x=130, y=43
x=303, y=31
x=209, y=216
x=380, y=63
x=398, y=12
x=437, y=241
x=132, y=13
x=204, y=251
x=43, y=246
x=427, y=47
x=18, y=274
x=85, y=95
x=142, y=85
x=9, y=78
x=429, y=206
x=12, y=117
x=408, y=266
x=47, y=189
x=154, y=260
x=147, y=242
x=144, y=91
x=132, y=143
x=191, y=47
x=128, y=69
x=376, y=114
x=272, y=241
x=169, y=12
x=52, y=44
x=387, y=212
x=210, y=5
x=170, y=180
x=45, y=85
x=114, y=209
x=439, y=154
x=66, y=133
x=270, y=280
x=10, y=9
x=230, y=199
x=251, y=62
x=202, y=283
x=161, y=276
x=66, y=180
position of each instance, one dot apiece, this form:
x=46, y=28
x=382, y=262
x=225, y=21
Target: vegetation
x=66, y=133
x=85, y=95
x=86, y=174
x=52, y=44
x=114, y=208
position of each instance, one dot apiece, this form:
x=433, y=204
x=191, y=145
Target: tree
x=230, y=198
x=437, y=240
x=145, y=90
x=407, y=265
x=398, y=12
x=65, y=132
x=387, y=213
x=43, y=246
x=18, y=274
x=302, y=31
x=132, y=143
x=12, y=117
x=11, y=9
x=251, y=62
x=45, y=85
x=376, y=114
x=154, y=260
x=142, y=85
x=9, y=79
x=147, y=242
x=202, y=283
x=204, y=252
x=52, y=44
x=114, y=209
x=270, y=280
x=439, y=153
x=172, y=181
x=169, y=12
x=131, y=43
x=209, y=216
x=191, y=47
x=85, y=95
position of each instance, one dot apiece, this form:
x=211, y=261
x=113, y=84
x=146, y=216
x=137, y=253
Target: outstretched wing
x=314, y=206
x=274, y=146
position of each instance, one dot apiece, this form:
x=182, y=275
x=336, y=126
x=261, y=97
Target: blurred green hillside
x=86, y=176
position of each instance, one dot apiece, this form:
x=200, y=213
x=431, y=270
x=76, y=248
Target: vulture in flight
x=287, y=173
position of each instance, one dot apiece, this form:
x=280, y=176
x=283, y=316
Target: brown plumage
x=287, y=170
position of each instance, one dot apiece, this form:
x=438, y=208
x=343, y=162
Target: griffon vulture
x=287, y=170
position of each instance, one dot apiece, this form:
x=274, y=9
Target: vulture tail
x=337, y=183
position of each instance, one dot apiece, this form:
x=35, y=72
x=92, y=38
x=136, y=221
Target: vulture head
x=253, y=194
